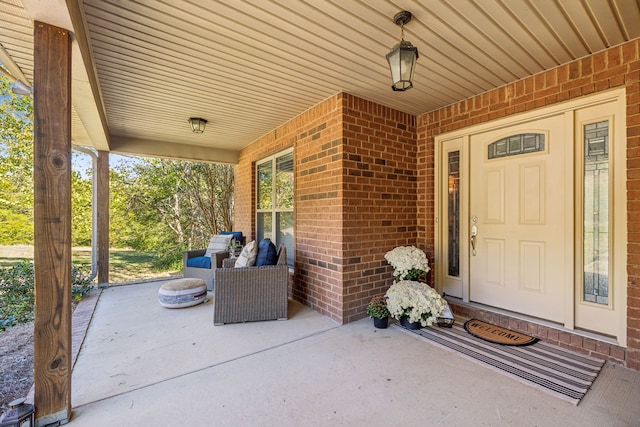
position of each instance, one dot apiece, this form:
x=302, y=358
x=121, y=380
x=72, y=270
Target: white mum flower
x=418, y=301
x=408, y=262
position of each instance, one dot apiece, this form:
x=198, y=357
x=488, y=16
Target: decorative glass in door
x=453, y=213
x=596, y=213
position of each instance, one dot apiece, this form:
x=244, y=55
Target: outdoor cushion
x=237, y=235
x=248, y=255
x=218, y=243
x=267, y=254
x=199, y=262
x=181, y=293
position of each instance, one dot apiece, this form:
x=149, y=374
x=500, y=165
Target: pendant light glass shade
x=402, y=62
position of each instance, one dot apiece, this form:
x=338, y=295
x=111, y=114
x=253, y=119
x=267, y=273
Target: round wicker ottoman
x=181, y=293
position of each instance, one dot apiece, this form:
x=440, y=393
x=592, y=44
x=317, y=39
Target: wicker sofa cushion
x=267, y=254
x=237, y=235
x=199, y=262
x=219, y=243
x=248, y=255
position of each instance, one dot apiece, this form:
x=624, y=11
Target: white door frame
x=619, y=274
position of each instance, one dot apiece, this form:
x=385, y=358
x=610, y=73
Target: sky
x=81, y=162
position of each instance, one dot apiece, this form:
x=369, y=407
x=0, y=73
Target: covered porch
x=310, y=78
x=140, y=361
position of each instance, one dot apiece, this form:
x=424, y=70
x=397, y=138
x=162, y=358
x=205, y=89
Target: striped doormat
x=555, y=370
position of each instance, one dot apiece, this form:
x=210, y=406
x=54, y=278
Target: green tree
x=171, y=205
x=163, y=206
x=120, y=217
x=210, y=190
x=16, y=166
x=81, y=208
x=16, y=175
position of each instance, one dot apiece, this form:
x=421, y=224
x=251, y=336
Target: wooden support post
x=103, y=218
x=52, y=223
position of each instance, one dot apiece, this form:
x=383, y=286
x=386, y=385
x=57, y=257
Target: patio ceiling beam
x=12, y=67
x=52, y=223
x=87, y=99
x=172, y=150
x=88, y=108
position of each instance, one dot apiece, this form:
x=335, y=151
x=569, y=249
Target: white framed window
x=274, y=200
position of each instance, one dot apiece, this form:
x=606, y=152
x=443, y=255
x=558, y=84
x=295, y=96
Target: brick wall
x=616, y=67
x=316, y=136
x=379, y=203
x=364, y=184
x=318, y=209
x=355, y=199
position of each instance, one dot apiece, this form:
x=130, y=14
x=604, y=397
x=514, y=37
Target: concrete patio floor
x=142, y=364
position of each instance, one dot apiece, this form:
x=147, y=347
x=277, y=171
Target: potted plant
x=408, y=262
x=415, y=304
x=377, y=309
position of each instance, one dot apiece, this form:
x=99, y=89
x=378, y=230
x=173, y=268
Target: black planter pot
x=381, y=323
x=404, y=322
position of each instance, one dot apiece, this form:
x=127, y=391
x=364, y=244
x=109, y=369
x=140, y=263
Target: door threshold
x=534, y=320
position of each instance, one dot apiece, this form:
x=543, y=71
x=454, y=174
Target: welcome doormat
x=550, y=368
x=497, y=334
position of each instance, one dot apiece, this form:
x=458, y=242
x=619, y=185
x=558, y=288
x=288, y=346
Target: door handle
x=474, y=233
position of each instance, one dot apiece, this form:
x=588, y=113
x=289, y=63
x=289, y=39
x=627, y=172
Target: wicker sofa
x=197, y=271
x=206, y=274
x=248, y=294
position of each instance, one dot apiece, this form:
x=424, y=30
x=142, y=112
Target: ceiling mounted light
x=197, y=124
x=402, y=58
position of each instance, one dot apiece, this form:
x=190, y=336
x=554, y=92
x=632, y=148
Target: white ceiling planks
x=248, y=66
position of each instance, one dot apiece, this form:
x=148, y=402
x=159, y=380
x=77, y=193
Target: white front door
x=517, y=217
x=531, y=214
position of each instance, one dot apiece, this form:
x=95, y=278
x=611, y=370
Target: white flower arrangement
x=418, y=301
x=408, y=262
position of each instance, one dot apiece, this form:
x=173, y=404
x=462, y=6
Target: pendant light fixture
x=402, y=58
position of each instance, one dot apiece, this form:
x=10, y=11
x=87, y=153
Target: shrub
x=80, y=283
x=17, y=297
x=169, y=260
x=17, y=228
x=16, y=294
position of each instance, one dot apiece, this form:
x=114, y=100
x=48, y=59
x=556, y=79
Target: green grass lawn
x=125, y=265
